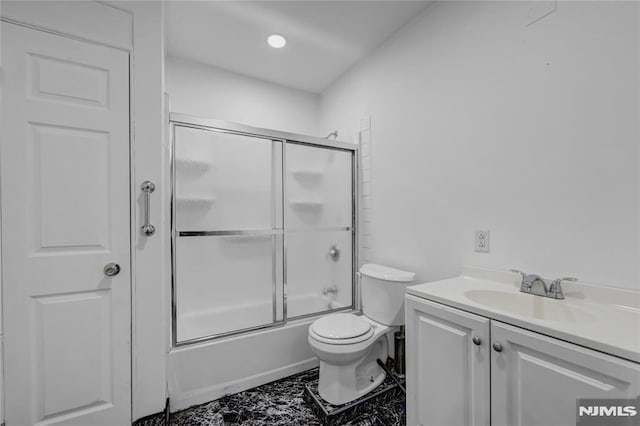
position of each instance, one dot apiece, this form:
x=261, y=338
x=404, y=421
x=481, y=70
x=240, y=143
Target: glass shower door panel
x=225, y=284
x=225, y=181
x=318, y=281
x=319, y=187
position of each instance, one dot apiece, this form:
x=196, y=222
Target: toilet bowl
x=348, y=359
x=349, y=345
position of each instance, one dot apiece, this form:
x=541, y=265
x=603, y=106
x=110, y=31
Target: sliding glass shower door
x=228, y=228
x=319, y=219
x=263, y=230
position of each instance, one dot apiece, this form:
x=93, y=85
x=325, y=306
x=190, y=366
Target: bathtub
x=242, y=316
x=206, y=371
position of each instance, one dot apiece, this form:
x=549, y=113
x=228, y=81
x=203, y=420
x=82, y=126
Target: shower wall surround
x=263, y=228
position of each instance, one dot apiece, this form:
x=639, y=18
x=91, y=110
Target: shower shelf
x=192, y=166
x=195, y=201
x=307, y=205
x=310, y=175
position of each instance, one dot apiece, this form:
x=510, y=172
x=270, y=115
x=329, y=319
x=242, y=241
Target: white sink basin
x=529, y=305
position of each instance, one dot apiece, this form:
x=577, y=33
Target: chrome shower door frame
x=284, y=138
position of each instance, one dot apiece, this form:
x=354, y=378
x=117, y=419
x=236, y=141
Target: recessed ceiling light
x=276, y=41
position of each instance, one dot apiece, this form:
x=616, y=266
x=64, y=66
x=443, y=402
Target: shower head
x=334, y=134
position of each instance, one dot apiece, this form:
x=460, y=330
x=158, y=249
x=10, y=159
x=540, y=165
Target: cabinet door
x=447, y=373
x=535, y=379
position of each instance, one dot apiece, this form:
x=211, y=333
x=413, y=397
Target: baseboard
x=157, y=419
x=200, y=396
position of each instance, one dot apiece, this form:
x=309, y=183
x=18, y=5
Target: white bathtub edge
x=202, y=395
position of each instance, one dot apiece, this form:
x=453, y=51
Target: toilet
x=348, y=345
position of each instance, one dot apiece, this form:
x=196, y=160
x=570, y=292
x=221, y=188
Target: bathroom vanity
x=480, y=352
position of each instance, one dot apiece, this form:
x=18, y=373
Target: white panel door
x=535, y=380
x=65, y=214
x=447, y=365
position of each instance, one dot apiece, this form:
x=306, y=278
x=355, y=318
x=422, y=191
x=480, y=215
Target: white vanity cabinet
x=510, y=377
x=447, y=373
x=535, y=379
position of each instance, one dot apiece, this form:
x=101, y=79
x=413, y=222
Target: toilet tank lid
x=386, y=273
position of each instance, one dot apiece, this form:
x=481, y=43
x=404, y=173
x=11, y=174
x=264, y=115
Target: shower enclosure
x=263, y=228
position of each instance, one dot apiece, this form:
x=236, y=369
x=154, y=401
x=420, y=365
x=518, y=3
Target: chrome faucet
x=535, y=284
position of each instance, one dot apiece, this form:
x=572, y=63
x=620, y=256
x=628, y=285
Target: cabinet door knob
x=476, y=340
x=497, y=347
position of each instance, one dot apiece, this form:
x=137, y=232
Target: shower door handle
x=147, y=188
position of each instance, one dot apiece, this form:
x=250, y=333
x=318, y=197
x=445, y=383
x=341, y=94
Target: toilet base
x=339, y=384
x=385, y=405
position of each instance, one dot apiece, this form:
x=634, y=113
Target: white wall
x=482, y=122
x=210, y=92
x=150, y=259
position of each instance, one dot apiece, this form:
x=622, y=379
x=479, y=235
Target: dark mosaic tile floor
x=281, y=403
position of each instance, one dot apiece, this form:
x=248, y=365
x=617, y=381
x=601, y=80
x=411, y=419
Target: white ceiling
x=325, y=38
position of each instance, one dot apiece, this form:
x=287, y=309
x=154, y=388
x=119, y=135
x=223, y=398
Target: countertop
x=603, y=318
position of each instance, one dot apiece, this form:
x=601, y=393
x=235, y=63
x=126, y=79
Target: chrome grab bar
x=147, y=187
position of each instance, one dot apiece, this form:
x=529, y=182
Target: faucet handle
x=518, y=272
x=330, y=290
x=558, y=281
x=555, y=289
x=525, y=284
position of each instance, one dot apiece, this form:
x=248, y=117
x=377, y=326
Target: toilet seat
x=341, y=329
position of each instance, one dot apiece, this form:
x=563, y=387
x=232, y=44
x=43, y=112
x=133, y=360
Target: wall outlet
x=482, y=241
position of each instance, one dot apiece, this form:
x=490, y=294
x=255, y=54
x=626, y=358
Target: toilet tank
x=382, y=289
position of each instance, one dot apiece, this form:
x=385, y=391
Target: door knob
x=476, y=340
x=111, y=269
x=497, y=347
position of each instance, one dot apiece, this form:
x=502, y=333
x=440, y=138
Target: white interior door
x=65, y=214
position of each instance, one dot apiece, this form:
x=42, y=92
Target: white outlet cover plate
x=482, y=241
